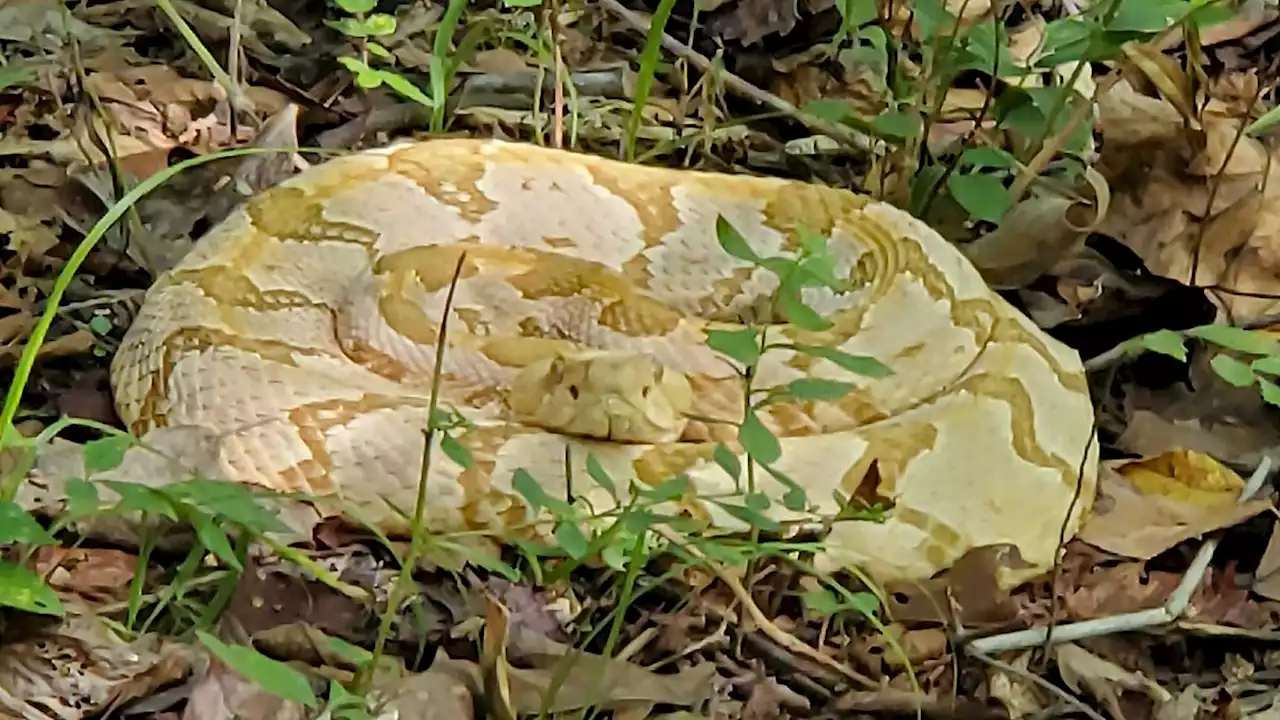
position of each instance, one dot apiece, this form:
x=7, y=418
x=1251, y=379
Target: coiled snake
x=303, y=329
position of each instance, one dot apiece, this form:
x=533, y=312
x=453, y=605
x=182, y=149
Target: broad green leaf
x=860, y=364
x=757, y=501
x=802, y=315
x=1147, y=16
x=571, y=540
x=401, y=85
x=236, y=502
x=733, y=242
x=898, y=125
x=1268, y=120
x=213, y=538
x=866, y=603
x=597, y=472
x=832, y=110
x=740, y=345
x=490, y=562
x=795, y=498
x=818, y=389
x=106, y=453
x=82, y=498
x=822, y=602
x=379, y=24
x=378, y=49
x=531, y=490
x=522, y=3
x=756, y=439
x=357, y=7
x=25, y=590
x=1166, y=342
x=100, y=324
x=1270, y=391
x=1232, y=370
x=1269, y=365
x=727, y=460
x=1238, y=339
x=141, y=498
x=275, y=677
x=456, y=451
x=857, y=12
x=751, y=517
x=984, y=196
x=670, y=489
x=933, y=18
x=16, y=525
x=988, y=157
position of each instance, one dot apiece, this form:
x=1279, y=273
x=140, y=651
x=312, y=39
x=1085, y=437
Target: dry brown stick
x=775, y=633
x=740, y=86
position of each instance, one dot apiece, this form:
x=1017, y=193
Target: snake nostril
x=573, y=391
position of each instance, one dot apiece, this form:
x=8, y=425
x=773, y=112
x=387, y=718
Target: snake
x=469, y=318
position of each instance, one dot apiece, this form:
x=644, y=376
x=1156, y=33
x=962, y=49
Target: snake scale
x=303, y=330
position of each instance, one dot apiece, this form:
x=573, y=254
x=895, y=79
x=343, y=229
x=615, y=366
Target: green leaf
x=25, y=590
x=988, y=157
x=866, y=603
x=530, y=489
x=984, y=196
x=1269, y=365
x=759, y=443
x=1238, y=339
x=670, y=489
x=571, y=540
x=1270, y=391
x=751, y=517
x=740, y=345
x=1147, y=16
x=857, y=12
x=522, y=3
x=1232, y=370
x=757, y=501
x=235, y=502
x=357, y=7
x=1166, y=342
x=106, y=453
x=378, y=49
x=141, y=498
x=833, y=110
x=821, y=602
x=456, y=451
x=898, y=125
x=82, y=498
x=733, y=242
x=16, y=525
x=213, y=538
x=379, y=24
x=802, y=315
x=818, y=389
x=860, y=364
x=275, y=677
x=727, y=460
x=933, y=18
x=406, y=88
x=597, y=472
x=100, y=324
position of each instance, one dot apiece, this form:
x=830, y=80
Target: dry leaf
x=1103, y=679
x=1147, y=506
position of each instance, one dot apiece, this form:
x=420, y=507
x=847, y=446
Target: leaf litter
x=1167, y=224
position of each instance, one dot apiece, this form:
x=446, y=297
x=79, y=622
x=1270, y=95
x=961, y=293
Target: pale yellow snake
x=303, y=328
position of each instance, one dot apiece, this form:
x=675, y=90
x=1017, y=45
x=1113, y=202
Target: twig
x=742, y=87
x=1065, y=696
x=1171, y=611
x=775, y=633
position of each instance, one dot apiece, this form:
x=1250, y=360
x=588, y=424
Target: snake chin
x=619, y=396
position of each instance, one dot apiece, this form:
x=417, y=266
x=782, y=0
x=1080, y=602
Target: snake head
x=620, y=396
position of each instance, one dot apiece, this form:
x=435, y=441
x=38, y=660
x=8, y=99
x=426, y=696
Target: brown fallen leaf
x=38, y=678
x=432, y=695
x=1104, y=680
x=1145, y=507
x=98, y=575
x=224, y=694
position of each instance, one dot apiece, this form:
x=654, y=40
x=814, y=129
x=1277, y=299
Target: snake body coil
x=303, y=329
